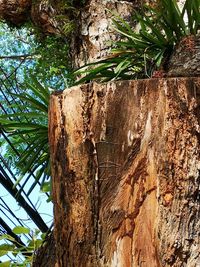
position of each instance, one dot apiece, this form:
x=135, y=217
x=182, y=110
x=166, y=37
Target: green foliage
x=17, y=250
x=25, y=100
x=138, y=54
x=47, y=56
x=28, y=129
x=51, y=64
x=67, y=14
x=66, y=18
x=18, y=230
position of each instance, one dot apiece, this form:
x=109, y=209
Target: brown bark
x=185, y=58
x=41, y=12
x=15, y=11
x=125, y=163
x=45, y=256
x=95, y=31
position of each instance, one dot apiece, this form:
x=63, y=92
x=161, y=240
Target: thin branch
x=34, y=215
x=21, y=57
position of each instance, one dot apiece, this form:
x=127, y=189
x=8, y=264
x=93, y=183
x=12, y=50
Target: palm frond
x=30, y=127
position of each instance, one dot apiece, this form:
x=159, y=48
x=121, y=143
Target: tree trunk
x=15, y=11
x=125, y=156
x=90, y=42
x=45, y=256
x=125, y=163
x=92, y=37
x=185, y=58
x=95, y=33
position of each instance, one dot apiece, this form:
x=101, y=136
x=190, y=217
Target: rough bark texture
x=185, y=58
x=45, y=256
x=95, y=32
x=125, y=163
x=15, y=11
x=41, y=12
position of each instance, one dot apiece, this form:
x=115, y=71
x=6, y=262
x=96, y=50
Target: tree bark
x=45, y=256
x=185, y=58
x=125, y=156
x=41, y=12
x=15, y=11
x=95, y=31
x=125, y=163
x=92, y=38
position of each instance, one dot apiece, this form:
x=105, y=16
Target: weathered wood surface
x=125, y=163
x=185, y=59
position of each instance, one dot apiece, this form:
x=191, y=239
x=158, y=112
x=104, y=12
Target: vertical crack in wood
x=88, y=103
x=96, y=200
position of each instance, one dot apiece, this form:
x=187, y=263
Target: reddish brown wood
x=125, y=163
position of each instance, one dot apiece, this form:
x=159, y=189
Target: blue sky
x=18, y=42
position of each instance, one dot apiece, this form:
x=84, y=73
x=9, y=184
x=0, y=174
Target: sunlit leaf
x=6, y=247
x=21, y=230
x=5, y=264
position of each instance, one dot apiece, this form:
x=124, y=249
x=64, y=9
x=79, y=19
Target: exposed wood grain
x=125, y=163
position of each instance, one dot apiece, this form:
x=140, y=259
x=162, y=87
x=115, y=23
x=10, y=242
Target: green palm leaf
x=31, y=129
x=138, y=54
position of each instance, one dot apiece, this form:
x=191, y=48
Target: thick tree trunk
x=93, y=35
x=15, y=11
x=125, y=162
x=125, y=156
x=95, y=32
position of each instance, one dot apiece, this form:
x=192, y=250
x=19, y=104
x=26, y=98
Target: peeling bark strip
x=125, y=163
